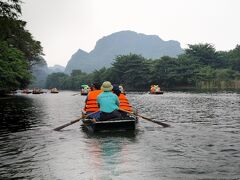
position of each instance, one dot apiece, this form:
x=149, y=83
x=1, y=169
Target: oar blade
x=151, y=120
x=163, y=124
x=157, y=122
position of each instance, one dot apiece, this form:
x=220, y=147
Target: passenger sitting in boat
x=116, y=90
x=152, y=89
x=157, y=88
x=121, y=88
x=91, y=104
x=108, y=102
x=124, y=104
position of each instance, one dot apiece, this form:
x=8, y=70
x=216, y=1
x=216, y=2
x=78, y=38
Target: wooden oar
x=74, y=121
x=148, y=119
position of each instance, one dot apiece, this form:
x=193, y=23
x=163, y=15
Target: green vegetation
x=201, y=67
x=18, y=50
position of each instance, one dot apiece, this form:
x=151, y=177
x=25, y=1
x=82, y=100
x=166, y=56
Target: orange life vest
x=91, y=104
x=152, y=89
x=124, y=104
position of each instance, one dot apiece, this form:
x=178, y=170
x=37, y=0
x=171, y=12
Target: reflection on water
x=17, y=114
x=108, y=153
x=202, y=142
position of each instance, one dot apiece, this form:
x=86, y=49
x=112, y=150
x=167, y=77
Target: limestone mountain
x=122, y=43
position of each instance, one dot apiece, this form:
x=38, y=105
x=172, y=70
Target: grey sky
x=64, y=26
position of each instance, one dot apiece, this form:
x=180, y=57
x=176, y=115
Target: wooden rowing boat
x=37, y=91
x=124, y=124
x=54, y=90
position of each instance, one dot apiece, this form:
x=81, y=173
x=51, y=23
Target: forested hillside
x=201, y=66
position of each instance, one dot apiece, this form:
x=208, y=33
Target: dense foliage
x=13, y=68
x=200, y=65
x=18, y=50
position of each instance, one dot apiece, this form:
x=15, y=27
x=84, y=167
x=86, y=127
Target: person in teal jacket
x=108, y=102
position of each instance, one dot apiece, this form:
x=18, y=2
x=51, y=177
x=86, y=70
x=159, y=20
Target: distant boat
x=54, y=90
x=26, y=91
x=37, y=91
x=155, y=89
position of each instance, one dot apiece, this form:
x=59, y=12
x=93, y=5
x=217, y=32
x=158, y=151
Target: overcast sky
x=64, y=26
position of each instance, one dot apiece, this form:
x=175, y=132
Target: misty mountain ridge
x=122, y=43
x=40, y=72
x=56, y=68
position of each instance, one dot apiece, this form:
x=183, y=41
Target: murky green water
x=202, y=143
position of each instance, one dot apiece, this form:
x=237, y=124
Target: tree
x=14, y=72
x=206, y=73
x=234, y=58
x=14, y=33
x=57, y=80
x=164, y=72
x=132, y=71
x=18, y=48
x=102, y=75
x=10, y=8
x=205, y=54
x=225, y=74
x=78, y=78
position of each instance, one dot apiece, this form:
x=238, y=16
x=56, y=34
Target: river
x=203, y=141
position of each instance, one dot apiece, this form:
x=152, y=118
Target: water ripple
x=202, y=142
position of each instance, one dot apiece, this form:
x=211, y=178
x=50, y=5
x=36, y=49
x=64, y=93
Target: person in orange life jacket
x=91, y=104
x=124, y=104
x=108, y=102
x=152, y=89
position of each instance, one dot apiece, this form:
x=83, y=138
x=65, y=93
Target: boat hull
x=161, y=92
x=37, y=92
x=124, y=124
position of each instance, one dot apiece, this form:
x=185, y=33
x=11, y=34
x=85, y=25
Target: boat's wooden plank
x=117, y=124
